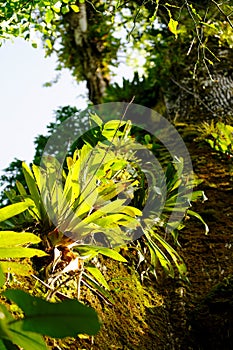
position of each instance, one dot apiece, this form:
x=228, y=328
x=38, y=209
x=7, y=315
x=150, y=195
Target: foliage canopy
x=89, y=37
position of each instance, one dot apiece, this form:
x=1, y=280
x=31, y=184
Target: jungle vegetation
x=59, y=237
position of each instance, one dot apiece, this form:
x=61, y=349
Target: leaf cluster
x=40, y=317
x=219, y=136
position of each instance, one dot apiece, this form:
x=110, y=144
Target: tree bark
x=90, y=52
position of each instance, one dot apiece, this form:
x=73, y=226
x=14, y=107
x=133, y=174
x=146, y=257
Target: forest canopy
x=73, y=229
x=90, y=37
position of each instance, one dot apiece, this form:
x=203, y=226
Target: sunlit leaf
x=20, y=252
x=96, y=273
x=12, y=239
x=49, y=15
x=21, y=188
x=75, y=8
x=31, y=183
x=57, y=6
x=172, y=26
x=96, y=119
x=111, y=253
x=108, y=208
x=196, y=215
x=49, y=43
x=2, y=276
x=91, y=283
x=174, y=255
x=12, y=210
x=18, y=268
x=158, y=255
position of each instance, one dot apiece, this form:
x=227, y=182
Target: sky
x=26, y=107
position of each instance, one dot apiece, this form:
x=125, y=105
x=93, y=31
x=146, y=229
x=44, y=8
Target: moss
x=137, y=320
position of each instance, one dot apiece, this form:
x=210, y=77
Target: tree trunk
x=209, y=96
x=89, y=49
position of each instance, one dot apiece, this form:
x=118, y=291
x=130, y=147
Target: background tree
x=182, y=39
x=188, y=61
x=187, y=51
x=187, y=76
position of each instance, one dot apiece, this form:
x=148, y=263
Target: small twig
x=190, y=47
x=223, y=13
x=127, y=107
x=42, y=282
x=95, y=9
x=55, y=290
x=196, y=27
x=79, y=280
x=193, y=94
x=97, y=292
x=50, y=288
x=134, y=21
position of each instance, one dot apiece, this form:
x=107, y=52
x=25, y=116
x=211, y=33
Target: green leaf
x=5, y=316
x=26, y=340
x=2, y=276
x=49, y=16
x=57, y=320
x=21, y=188
x=12, y=239
x=96, y=119
x=31, y=183
x=104, y=251
x=195, y=12
x=196, y=215
x=21, y=269
x=2, y=346
x=12, y=333
x=57, y=6
x=7, y=253
x=172, y=26
x=75, y=8
x=108, y=208
x=210, y=62
x=93, y=284
x=158, y=255
x=49, y=44
x=12, y=210
x=174, y=255
x=198, y=195
x=147, y=138
x=98, y=276
x=65, y=9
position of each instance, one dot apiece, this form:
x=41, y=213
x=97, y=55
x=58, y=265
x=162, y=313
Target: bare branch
x=193, y=94
x=223, y=13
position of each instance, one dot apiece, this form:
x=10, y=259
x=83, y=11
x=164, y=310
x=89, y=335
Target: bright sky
x=26, y=107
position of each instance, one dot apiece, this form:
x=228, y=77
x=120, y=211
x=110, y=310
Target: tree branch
x=223, y=13
x=193, y=94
